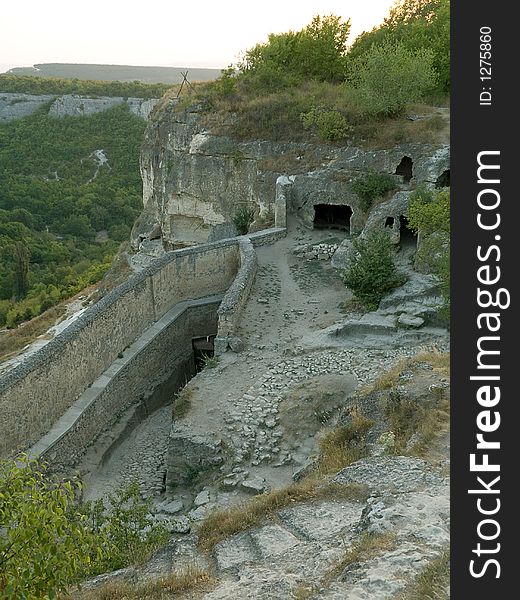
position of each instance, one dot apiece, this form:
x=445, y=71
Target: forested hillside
x=70, y=190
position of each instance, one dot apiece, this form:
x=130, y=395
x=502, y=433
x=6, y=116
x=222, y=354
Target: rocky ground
x=306, y=355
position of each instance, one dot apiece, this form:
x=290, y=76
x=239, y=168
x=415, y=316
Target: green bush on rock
x=372, y=271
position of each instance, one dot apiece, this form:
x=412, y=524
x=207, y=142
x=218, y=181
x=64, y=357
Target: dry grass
x=223, y=523
x=182, y=402
x=191, y=579
x=11, y=342
x=368, y=546
x=344, y=445
x=440, y=362
x=432, y=129
x=432, y=583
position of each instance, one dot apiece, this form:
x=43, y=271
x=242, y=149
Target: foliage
x=429, y=211
x=371, y=186
x=429, y=215
x=54, y=197
x=390, y=76
x=242, y=219
x=414, y=24
x=372, y=271
x=27, y=84
x=316, y=52
x=42, y=546
x=331, y=124
x=128, y=532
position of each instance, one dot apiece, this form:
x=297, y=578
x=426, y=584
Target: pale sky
x=182, y=33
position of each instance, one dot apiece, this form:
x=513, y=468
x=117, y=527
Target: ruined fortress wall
x=36, y=393
x=237, y=295
x=160, y=355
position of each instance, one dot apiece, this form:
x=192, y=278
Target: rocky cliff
x=16, y=106
x=196, y=177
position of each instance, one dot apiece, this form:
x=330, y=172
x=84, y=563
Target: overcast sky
x=182, y=33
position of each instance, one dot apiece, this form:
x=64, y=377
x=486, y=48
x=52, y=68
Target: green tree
x=42, y=549
x=429, y=216
x=372, y=272
x=391, y=76
x=316, y=52
x=21, y=270
x=416, y=24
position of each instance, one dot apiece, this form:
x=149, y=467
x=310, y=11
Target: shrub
x=42, y=546
x=415, y=24
x=127, y=529
x=242, y=219
x=316, y=52
x=371, y=186
x=429, y=214
x=330, y=124
x=391, y=76
x=372, y=272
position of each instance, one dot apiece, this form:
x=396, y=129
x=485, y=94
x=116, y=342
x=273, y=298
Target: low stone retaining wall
x=163, y=353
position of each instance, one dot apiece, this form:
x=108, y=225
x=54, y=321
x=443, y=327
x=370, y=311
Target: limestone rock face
x=195, y=178
x=16, y=106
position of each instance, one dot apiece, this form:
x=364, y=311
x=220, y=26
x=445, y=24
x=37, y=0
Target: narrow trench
x=136, y=449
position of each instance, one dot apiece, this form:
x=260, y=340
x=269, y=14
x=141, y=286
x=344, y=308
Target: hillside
x=168, y=75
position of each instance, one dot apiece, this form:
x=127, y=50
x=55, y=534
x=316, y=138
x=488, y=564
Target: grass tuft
x=368, y=546
x=223, y=523
x=344, y=445
x=191, y=579
x=433, y=581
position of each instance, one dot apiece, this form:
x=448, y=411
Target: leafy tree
x=372, y=272
x=429, y=215
x=42, y=548
x=21, y=270
x=51, y=204
x=316, y=52
x=391, y=76
x=416, y=25
x=28, y=84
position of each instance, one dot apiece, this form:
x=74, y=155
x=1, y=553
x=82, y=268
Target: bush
x=429, y=214
x=331, y=124
x=391, y=76
x=371, y=186
x=128, y=531
x=372, y=272
x=42, y=546
x=316, y=52
x=415, y=24
x=242, y=219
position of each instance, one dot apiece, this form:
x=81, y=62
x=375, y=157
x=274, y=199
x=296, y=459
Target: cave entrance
x=443, y=180
x=389, y=222
x=407, y=236
x=405, y=168
x=203, y=348
x=332, y=216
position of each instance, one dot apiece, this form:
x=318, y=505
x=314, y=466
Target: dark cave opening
x=443, y=180
x=406, y=234
x=332, y=216
x=405, y=169
x=203, y=348
x=389, y=222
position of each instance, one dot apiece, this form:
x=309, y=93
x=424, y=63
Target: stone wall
x=235, y=298
x=163, y=354
x=36, y=393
